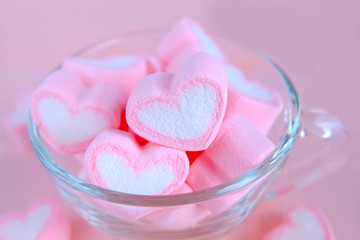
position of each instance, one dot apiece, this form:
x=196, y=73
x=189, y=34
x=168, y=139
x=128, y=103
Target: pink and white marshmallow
x=174, y=63
x=256, y=102
x=182, y=110
x=238, y=147
x=15, y=122
x=302, y=222
x=178, y=217
x=42, y=221
x=69, y=114
x=121, y=72
x=183, y=40
x=115, y=161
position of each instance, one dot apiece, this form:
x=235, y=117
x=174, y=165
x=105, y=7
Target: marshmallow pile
x=180, y=121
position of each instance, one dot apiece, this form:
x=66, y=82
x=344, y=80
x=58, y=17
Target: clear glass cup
x=235, y=199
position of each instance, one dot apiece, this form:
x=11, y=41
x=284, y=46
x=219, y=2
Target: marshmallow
x=15, y=122
x=119, y=72
x=256, y=102
x=302, y=222
x=42, y=221
x=178, y=217
x=174, y=63
x=238, y=147
x=69, y=115
x=82, y=174
x=181, y=36
x=115, y=161
x=154, y=64
x=184, y=110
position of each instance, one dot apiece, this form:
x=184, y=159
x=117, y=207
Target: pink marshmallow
x=120, y=72
x=178, y=217
x=115, y=161
x=256, y=102
x=238, y=147
x=302, y=222
x=174, y=63
x=154, y=64
x=42, y=221
x=82, y=174
x=15, y=122
x=183, y=34
x=184, y=110
x=69, y=114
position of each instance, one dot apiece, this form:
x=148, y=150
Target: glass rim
x=217, y=191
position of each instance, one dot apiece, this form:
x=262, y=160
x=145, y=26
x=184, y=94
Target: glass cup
x=187, y=216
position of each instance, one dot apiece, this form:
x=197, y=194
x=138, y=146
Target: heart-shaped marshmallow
x=43, y=220
x=121, y=72
x=237, y=148
x=184, y=110
x=174, y=63
x=302, y=222
x=256, y=102
x=178, y=43
x=15, y=122
x=115, y=161
x=69, y=114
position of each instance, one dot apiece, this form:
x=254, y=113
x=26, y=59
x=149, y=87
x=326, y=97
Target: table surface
x=316, y=42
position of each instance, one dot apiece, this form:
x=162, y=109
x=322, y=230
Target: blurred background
x=317, y=43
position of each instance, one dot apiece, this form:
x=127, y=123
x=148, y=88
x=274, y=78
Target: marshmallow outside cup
x=87, y=198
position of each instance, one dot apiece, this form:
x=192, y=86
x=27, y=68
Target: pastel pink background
x=316, y=42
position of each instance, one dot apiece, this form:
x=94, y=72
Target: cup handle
x=322, y=147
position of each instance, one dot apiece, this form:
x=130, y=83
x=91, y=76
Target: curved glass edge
x=178, y=199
